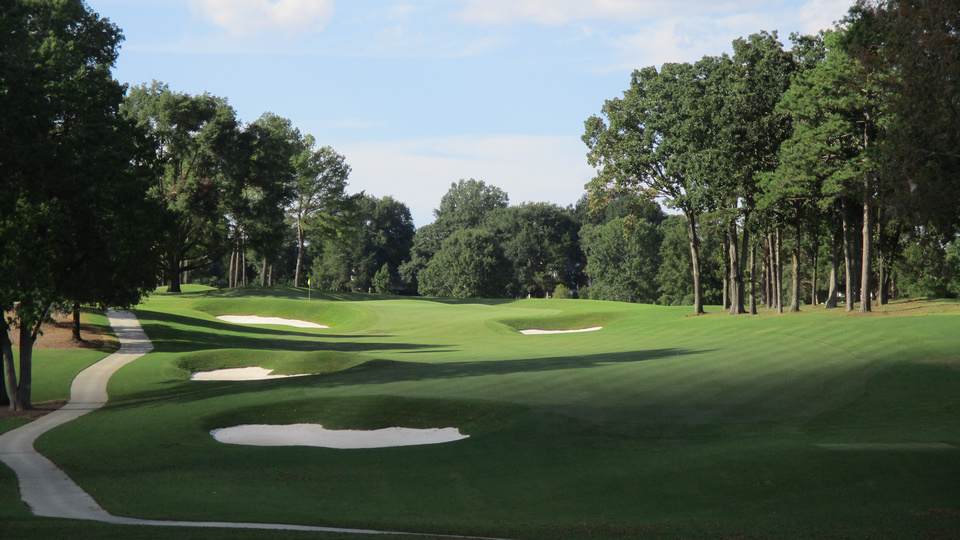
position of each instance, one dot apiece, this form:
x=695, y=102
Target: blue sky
x=418, y=94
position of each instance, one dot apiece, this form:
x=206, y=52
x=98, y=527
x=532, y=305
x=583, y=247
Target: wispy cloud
x=248, y=17
x=565, y=11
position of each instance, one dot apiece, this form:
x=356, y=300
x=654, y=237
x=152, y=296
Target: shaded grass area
x=55, y=369
x=661, y=425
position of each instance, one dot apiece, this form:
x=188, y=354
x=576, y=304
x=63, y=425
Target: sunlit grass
x=661, y=424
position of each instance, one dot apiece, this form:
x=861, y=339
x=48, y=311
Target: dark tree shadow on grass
x=178, y=333
x=377, y=372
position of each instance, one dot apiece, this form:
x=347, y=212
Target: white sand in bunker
x=534, y=332
x=254, y=319
x=238, y=374
x=317, y=435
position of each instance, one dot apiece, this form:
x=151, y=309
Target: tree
x=749, y=130
x=381, y=280
x=921, y=57
x=467, y=202
x=541, y=241
x=266, y=187
x=320, y=198
x=675, y=285
x=197, y=166
x=73, y=191
x=465, y=205
x=623, y=259
x=378, y=232
x=469, y=264
x=650, y=146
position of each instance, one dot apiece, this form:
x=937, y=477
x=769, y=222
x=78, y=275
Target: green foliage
x=623, y=257
x=320, y=203
x=562, y=292
x=75, y=223
x=467, y=202
x=469, y=264
x=381, y=280
x=198, y=168
x=376, y=232
x=541, y=241
x=675, y=285
x=465, y=205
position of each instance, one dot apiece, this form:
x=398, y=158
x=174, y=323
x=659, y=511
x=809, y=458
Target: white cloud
x=418, y=172
x=565, y=11
x=819, y=15
x=246, y=17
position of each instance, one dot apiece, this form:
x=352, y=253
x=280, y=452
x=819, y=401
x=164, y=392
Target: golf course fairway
x=820, y=424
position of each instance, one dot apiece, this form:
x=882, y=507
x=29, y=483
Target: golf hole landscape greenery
x=661, y=425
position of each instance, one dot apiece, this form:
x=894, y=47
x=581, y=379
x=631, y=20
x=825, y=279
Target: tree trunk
x=174, y=285
x=243, y=266
x=744, y=247
x=9, y=371
x=834, y=268
x=815, y=265
x=772, y=268
x=848, y=252
x=795, y=282
x=753, y=279
x=22, y=400
x=172, y=273
x=736, y=278
x=726, y=271
x=296, y=273
x=881, y=258
x=76, y=323
x=231, y=273
x=264, y=280
x=867, y=249
x=778, y=274
x=694, y=261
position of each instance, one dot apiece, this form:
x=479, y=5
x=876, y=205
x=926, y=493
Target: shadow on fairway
x=390, y=371
x=178, y=333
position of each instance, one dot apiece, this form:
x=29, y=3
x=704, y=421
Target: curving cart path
x=49, y=492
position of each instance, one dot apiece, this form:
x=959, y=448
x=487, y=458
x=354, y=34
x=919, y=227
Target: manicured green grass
x=660, y=425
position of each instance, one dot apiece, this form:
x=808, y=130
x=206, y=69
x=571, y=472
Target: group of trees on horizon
x=835, y=160
x=847, y=141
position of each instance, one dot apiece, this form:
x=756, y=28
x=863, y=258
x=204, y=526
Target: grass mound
x=281, y=362
x=373, y=412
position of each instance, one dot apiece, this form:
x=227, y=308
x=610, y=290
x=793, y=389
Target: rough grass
x=660, y=425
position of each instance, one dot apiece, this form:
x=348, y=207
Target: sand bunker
x=254, y=319
x=316, y=435
x=237, y=374
x=533, y=332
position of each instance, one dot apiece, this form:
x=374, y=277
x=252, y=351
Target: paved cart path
x=49, y=492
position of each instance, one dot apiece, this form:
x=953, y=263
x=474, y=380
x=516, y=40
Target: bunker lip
x=317, y=435
x=535, y=332
x=254, y=373
x=256, y=319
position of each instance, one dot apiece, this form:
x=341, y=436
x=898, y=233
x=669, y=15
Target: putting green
x=661, y=424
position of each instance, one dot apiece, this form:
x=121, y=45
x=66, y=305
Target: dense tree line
x=844, y=143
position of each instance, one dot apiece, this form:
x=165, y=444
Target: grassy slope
x=660, y=423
